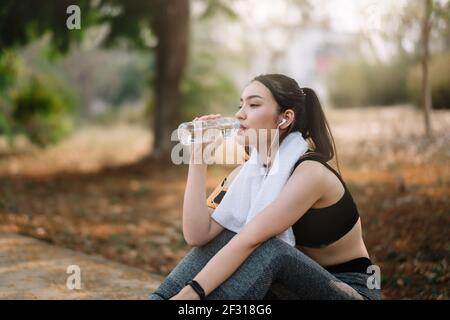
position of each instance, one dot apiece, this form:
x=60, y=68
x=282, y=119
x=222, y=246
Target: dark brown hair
x=309, y=119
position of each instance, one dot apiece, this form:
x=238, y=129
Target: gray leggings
x=274, y=271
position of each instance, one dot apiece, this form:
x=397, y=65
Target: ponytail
x=317, y=128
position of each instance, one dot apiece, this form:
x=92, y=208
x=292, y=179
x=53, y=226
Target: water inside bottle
x=207, y=131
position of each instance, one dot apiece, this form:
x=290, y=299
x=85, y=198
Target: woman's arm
x=196, y=217
x=302, y=190
x=202, y=237
x=196, y=220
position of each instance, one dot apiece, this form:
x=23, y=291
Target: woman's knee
x=191, y=264
x=198, y=257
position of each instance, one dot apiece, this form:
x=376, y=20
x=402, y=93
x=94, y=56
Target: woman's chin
x=247, y=137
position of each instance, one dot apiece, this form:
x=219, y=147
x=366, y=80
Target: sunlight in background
x=274, y=37
x=343, y=15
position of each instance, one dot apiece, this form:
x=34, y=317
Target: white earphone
x=282, y=122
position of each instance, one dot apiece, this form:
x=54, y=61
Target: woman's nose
x=239, y=114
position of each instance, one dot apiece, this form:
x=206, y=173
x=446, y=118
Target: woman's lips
x=242, y=128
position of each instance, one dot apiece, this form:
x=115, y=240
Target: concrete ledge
x=33, y=269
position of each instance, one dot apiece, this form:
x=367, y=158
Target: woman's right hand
x=199, y=148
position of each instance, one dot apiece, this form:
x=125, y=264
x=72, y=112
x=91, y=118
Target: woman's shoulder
x=313, y=161
x=310, y=168
x=318, y=171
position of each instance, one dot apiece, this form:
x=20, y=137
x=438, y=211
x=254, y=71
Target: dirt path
x=33, y=269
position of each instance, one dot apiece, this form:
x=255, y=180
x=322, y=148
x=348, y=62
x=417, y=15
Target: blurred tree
x=36, y=108
x=165, y=26
x=172, y=30
x=425, y=23
x=9, y=73
x=426, y=90
x=169, y=19
x=403, y=26
x=160, y=25
x=36, y=18
x=419, y=31
x=439, y=82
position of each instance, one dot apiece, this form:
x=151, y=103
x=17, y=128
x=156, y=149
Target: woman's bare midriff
x=348, y=247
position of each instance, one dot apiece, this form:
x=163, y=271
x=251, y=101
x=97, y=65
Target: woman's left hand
x=187, y=293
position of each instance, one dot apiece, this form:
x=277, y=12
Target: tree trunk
x=426, y=88
x=172, y=30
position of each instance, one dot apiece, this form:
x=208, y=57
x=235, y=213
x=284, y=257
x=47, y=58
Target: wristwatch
x=197, y=288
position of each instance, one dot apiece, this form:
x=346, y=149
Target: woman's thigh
x=278, y=270
x=300, y=277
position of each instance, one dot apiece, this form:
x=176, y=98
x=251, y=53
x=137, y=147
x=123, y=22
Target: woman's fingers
x=207, y=117
x=210, y=116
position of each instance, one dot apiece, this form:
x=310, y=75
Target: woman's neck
x=267, y=153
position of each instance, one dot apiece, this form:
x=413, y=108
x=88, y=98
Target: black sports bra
x=319, y=227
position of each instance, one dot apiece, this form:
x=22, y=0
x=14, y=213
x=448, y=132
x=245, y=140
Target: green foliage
x=9, y=73
x=215, y=7
x=9, y=70
x=440, y=82
x=132, y=85
x=346, y=87
x=130, y=20
x=127, y=81
x=43, y=110
x=361, y=83
x=5, y=126
x=206, y=89
x=37, y=18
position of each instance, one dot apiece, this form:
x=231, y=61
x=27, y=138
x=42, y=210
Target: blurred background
x=89, y=97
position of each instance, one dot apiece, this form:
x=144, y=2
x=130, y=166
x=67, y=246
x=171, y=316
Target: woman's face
x=258, y=110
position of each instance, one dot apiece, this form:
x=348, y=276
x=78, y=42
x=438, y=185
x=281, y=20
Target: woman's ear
x=282, y=122
x=288, y=116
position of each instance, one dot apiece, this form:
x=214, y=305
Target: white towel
x=252, y=190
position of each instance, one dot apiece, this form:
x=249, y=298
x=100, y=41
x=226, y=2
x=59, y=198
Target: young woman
x=328, y=260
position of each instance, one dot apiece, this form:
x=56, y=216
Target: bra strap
x=311, y=155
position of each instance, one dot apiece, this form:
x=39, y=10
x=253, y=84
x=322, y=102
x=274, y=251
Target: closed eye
x=252, y=105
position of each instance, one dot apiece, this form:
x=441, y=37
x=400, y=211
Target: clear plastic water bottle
x=207, y=130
